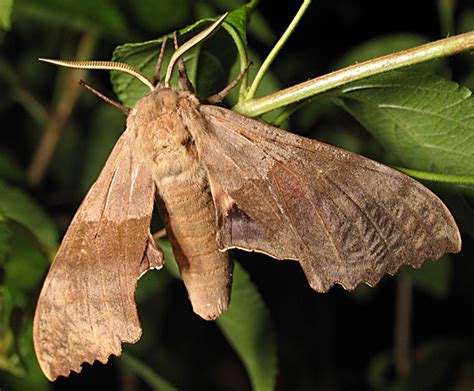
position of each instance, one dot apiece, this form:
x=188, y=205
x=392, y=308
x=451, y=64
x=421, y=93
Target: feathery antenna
x=189, y=44
x=108, y=65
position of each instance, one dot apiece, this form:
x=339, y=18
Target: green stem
x=276, y=49
x=143, y=371
x=434, y=177
x=438, y=49
x=285, y=114
x=243, y=58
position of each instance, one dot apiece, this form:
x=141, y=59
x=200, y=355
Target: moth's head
x=158, y=102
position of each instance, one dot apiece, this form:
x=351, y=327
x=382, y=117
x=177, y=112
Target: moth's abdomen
x=190, y=220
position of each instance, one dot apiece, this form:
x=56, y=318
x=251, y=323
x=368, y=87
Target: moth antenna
x=189, y=44
x=156, y=73
x=108, y=65
x=121, y=107
x=220, y=96
x=184, y=81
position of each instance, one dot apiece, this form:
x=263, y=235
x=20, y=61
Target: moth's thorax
x=161, y=134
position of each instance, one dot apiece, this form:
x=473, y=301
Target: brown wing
x=345, y=218
x=87, y=307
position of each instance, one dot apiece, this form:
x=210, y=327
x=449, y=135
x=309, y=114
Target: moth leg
x=160, y=234
x=184, y=82
x=156, y=73
x=121, y=107
x=153, y=257
x=220, y=96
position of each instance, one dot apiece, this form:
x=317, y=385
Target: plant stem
x=242, y=50
x=276, y=49
x=285, y=114
x=402, y=337
x=143, y=371
x=433, y=50
x=434, y=177
x=60, y=116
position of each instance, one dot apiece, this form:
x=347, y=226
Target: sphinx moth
x=221, y=181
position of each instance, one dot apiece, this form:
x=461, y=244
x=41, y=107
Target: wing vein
x=362, y=212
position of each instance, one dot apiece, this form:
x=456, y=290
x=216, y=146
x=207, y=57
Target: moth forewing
x=346, y=218
x=86, y=308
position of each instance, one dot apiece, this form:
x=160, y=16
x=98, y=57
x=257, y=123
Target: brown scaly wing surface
x=86, y=308
x=345, y=218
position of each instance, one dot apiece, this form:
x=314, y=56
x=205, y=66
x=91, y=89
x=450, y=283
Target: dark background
x=333, y=341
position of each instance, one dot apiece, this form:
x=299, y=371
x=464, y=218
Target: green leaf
x=160, y=15
x=437, y=364
x=425, y=121
x=9, y=169
x=85, y=15
x=379, y=367
x=19, y=207
x=154, y=284
x=6, y=7
x=170, y=261
x=26, y=376
x=6, y=306
x=362, y=293
x=23, y=272
x=143, y=55
x=5, y=244
x=433, y=277
x=214, y=64
x=238, y=19
x=247, y=325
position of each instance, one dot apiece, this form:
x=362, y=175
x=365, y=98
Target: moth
x=221, y=181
